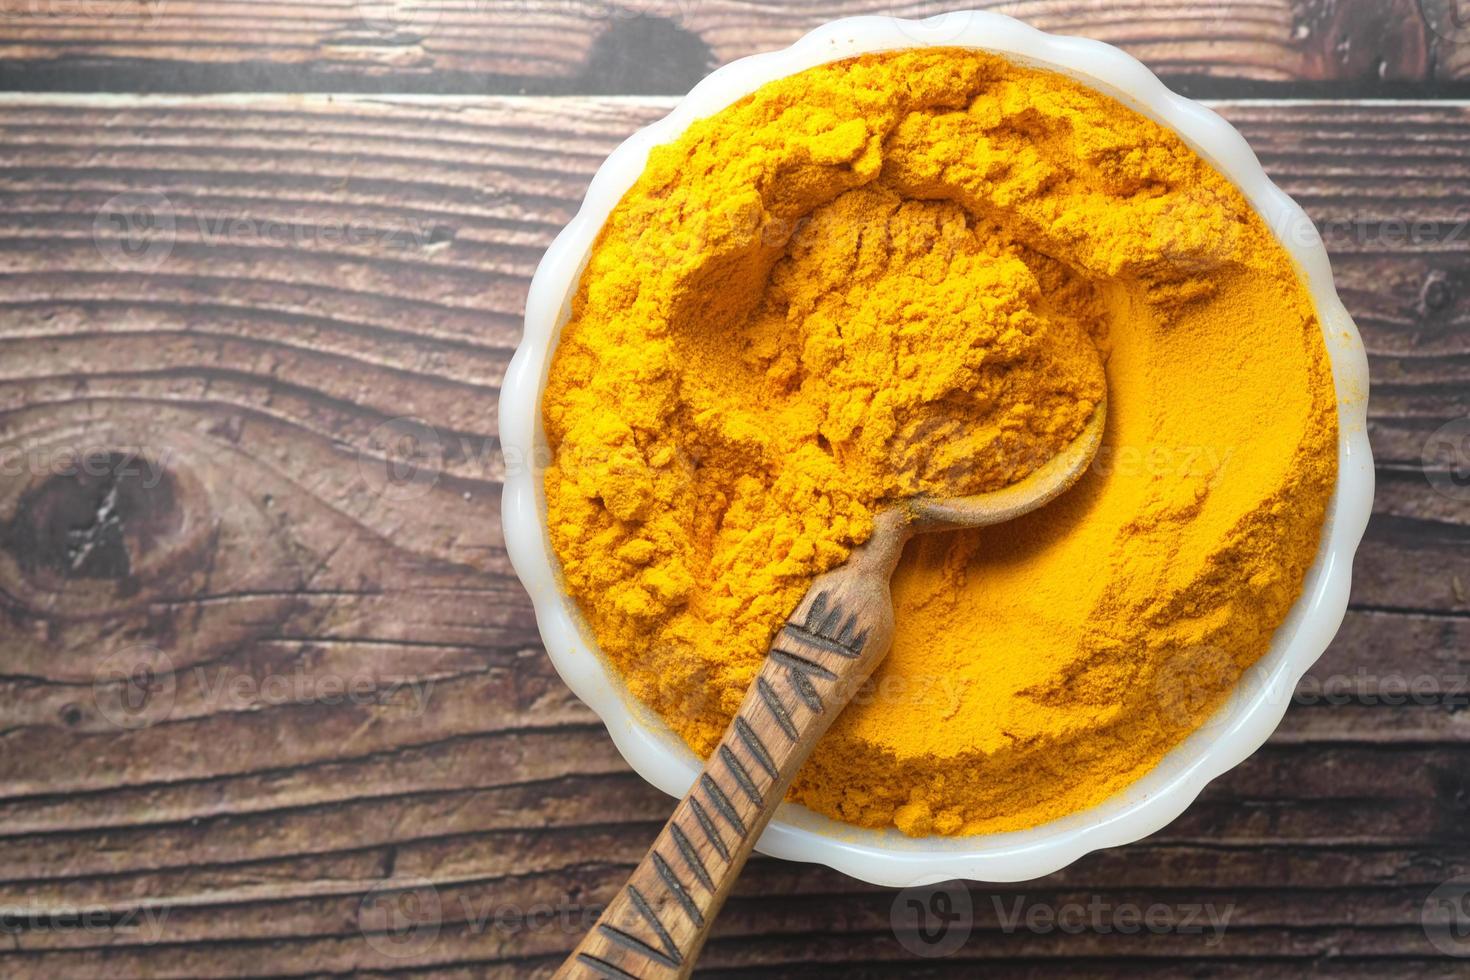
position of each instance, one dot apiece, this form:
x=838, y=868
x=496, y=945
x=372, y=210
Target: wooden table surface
x=274, y=705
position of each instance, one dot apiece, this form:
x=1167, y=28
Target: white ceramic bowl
x=888, y=857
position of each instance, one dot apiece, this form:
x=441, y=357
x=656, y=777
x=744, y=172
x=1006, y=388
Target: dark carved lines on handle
x=671, y=957
x=711, y=833
x=742, y=777
x=756, y=747
x=671, y=880
x=817, y=630
x=776, y=707
x=820, y=630
x=796, y=662
x=636, y=945
x=644, y=909
x=797, y=669
x=605, y=969
x=691, y=857
x=722, y=803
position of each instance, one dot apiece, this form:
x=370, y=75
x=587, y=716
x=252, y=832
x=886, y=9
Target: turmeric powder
x=903, y=274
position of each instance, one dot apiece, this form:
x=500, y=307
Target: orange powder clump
x=903, y=274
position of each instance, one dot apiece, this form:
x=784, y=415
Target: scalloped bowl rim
x=887, y=857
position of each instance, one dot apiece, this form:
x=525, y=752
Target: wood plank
x=336, y=264
x=1285, y=794
x=468, y=913
x=515, y=780
x=464, y=920
x=1234, y=47
x=1102, y=969
x=251, y=921
x=588, y=863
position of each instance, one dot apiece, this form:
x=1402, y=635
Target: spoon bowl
x=1037, y=489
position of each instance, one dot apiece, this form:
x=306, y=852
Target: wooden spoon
x=657, y=924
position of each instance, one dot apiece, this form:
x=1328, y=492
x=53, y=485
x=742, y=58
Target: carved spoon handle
x=658, y=922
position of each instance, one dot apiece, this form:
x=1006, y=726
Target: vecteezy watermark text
x=1104, y=916
x=112, y=462
x=1448, y=19
x=1446, y=917
x=936, y=920
x=402, y=916
x=1446, y=459
x=139, y=686
x=138, y=230
x=1370, y=689
x=226, y=689
x=145, y=11
x=421, y=18
x=140, y=925
x=225, y=228
x=933, y=920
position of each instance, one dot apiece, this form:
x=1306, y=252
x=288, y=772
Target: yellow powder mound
x=918, y=345
x=901, y=275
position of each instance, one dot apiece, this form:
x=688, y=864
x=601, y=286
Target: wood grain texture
x=665, y=46
x=295, y=313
